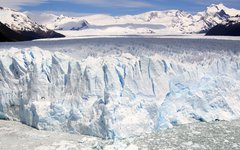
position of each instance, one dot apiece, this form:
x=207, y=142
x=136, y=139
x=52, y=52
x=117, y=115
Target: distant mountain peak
x=216, y=8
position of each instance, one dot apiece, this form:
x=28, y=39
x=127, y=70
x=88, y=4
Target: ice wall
x=118, y=95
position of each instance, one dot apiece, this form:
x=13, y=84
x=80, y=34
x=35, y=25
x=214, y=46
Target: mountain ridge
x=175, y=21
x=17, y=26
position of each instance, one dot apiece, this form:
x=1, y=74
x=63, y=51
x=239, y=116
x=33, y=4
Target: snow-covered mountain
x=158, y=22
x=68, y=23
x=18, y=26
x=121, y=88
x=215, y=14
x=18, y=21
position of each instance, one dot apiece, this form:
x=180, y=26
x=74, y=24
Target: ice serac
x=117, y=96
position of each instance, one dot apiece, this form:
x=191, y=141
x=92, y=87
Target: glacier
x=115, y=93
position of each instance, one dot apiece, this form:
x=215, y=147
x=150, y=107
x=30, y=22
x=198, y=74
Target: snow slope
x=153, y=22
x=17, y=26
x=120, y=93
x=67, y=23
x=18, y=21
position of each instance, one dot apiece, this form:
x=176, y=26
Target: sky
x=112, y=7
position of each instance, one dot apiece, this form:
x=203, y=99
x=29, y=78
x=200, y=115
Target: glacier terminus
x=119, y=87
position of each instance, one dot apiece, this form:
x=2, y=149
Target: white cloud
x=17, y=4
x=208, y=2
x=115, y=3
x=48, y=16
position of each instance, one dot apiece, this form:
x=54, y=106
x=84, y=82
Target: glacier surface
x=115, y=93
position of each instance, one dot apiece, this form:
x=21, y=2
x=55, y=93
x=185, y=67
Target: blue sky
x=113, y=7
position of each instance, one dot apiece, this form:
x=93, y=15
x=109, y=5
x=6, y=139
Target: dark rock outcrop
x=8, y=35
x=229, y=29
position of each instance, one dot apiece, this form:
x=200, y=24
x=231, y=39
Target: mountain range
x=17, y=26
x=158, y=22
